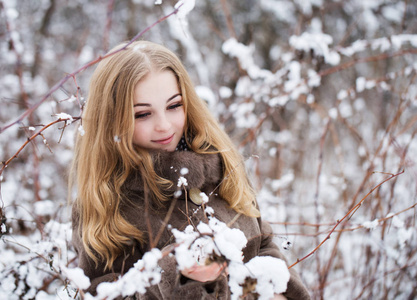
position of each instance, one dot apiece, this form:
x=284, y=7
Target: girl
x=143, y=124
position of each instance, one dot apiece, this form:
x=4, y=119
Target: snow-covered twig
x=66, y=119
x=348, y=215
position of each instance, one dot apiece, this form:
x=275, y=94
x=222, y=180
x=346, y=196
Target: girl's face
x=159, y=112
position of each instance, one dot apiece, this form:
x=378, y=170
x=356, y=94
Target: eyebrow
x=148, y=104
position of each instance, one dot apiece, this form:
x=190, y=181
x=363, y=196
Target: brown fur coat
x=205, y=173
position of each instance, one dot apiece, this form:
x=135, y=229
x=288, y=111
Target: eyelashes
x=173, y=107
x=142, y=115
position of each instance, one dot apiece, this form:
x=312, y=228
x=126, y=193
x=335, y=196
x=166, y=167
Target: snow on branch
x=210, y=242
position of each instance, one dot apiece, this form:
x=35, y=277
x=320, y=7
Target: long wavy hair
x=105, y=154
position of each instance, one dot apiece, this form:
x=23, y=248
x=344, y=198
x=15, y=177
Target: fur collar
x=199, y=170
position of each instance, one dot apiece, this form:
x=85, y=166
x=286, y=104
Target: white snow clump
x=77, y=277
x=319, y=43
x=81, y=130
x=216, y=238
x=65, y=116
x=184, y=8
x=371, y=224
x=244, y=54
x=271, y=276
x=144, y=273
x=182, y=181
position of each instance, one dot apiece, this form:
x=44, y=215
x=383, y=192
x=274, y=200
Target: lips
x=164, y=141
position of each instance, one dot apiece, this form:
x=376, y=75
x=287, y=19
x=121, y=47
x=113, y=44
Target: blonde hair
x=105, y=155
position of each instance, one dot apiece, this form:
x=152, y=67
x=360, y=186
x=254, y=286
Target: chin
x=166, y=148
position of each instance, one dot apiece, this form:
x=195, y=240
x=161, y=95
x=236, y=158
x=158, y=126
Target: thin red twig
x=38, y=133
x=348, y=215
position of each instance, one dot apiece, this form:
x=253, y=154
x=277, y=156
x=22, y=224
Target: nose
x=162, y=124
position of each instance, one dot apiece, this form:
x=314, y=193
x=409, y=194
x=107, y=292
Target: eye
x=142, y=115
x=175, y=105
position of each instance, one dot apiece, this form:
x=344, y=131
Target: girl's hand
x=204, y=273
x=279, y=297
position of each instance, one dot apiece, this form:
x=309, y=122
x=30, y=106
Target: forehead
x=156, y=85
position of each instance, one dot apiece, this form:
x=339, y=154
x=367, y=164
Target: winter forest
x=320, y=96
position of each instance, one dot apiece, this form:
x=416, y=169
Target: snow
x=359, y=104
x=144, y=273
x=271, y=273
x=357, y=46
x=207, y=95
x=408, y=38
x=65, y=116
x=182, y=181
x=360, y=84
x=369, y=20
x=179, y=29
x=370, y=224
x=283, y=10
x=81, y=130
x=395, y=12
x=184, y=8
x=77, y=277
x=235, y=49
x=244, y=114
x=204, y=197
x=271, y=276
x=229, y=241
x=345, y=109
x=12, y=13
x=44, y=208
x=397, y=222
x=342, y=94
x=209, y=210
x=267, y=83
x=333, y=113
x=318, y=43
x=404, y=235
x=244, y=55
x=294, y=76
x=279, y=101
x=243, y=86
x=86, y=55
x=225, y=92
x=283, y=182
x=314, y=79
x=382, y=44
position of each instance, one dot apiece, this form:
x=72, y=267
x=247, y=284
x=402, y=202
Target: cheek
x=140, y=132
x=180, y=120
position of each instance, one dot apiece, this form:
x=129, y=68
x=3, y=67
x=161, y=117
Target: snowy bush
x=320, y=95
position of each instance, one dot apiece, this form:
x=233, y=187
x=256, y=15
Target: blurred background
x=320, y=96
